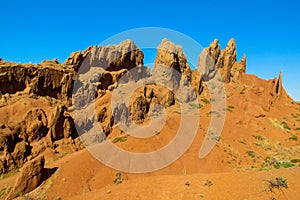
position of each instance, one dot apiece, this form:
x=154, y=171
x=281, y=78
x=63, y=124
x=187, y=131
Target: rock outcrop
x=29, y=138
x=50, y=91
x=139, y=108
x=170, y=64
x=277, y=90
x=100, y=68
x=146, y=98
x=237, y=70
x=171, y=69
x=57, y=123
x=43, y=80
x=30, y=178
x=125, y=55
x=213, y=60
x=34, y=125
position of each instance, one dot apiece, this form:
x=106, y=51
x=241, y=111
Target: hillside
x=240, y=132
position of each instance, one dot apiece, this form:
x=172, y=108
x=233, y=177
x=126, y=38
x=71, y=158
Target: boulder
x=21, y=151
x=30, y=178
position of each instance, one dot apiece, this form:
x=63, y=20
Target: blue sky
x=266, y=31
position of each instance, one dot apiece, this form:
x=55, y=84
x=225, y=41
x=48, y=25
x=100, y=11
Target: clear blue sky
x=266, y=31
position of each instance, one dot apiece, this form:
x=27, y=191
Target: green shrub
x=287, y=164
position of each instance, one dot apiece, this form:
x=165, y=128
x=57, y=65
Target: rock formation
x=170, y=64
x=126, y=55
x=277, y=90
x=213, y=60
x=100, y=68
x=237, y=70
x=29, y=179
x=171, y=69
x=146, y=98
x=34, y=125
x=56, y=123
x=45, y=96
x=43, y=80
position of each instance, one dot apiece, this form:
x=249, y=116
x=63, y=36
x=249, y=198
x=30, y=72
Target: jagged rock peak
x=278, y=85
x=171, y=55
x=213, y=58
x=170, y=64
x=171, y=68
x=214, y=50
x=170, y=47
x=244, y=63
x=231, y=44
x=125, y=55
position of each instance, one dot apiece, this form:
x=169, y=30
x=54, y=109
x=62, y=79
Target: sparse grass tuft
x=285, y=125
x=258, y=137
x=294, y=116
x=243, y=90
x=120, y=139
x=268, y=162
x=297, y=160
x=294, y=137
x=5, y=190
x=195, y=105
x=11, y=173
x=278, y=183
x=243, y=142
x=60, y=156
x=251, y=154
x=215, y=113
x=214, y=135
x=118, y=179
x=208, y=183
x=206, y=101
x=282, y=125
x=231, y=107
x=287, y=164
